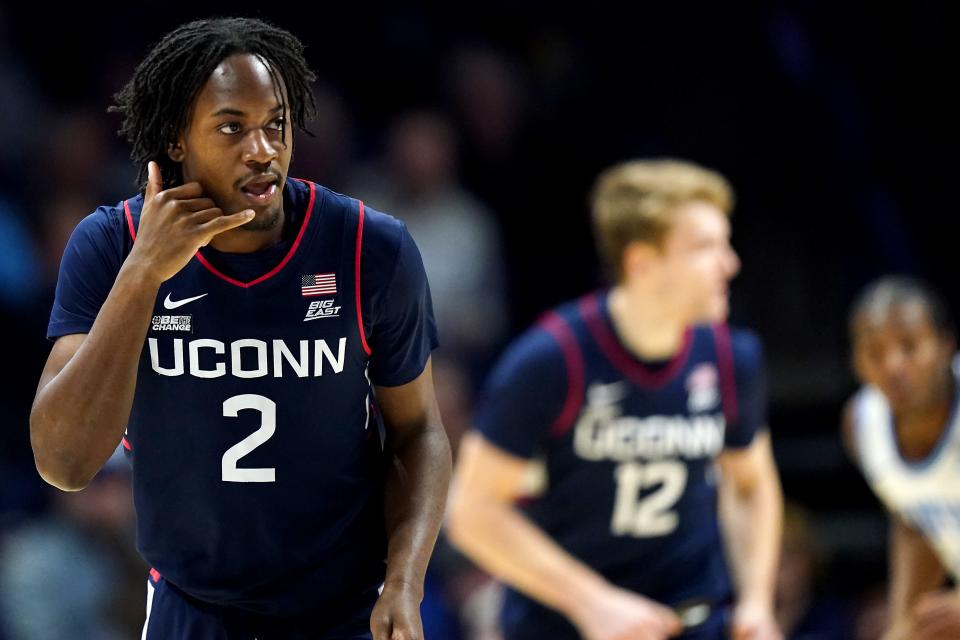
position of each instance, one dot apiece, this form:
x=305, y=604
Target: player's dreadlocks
x=156, y=102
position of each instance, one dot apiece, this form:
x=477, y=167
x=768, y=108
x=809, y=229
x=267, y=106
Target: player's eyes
x=230, y=128
x=278, y=124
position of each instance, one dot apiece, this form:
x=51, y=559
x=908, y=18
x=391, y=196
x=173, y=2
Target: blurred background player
x=639, y=401
x=901, y=428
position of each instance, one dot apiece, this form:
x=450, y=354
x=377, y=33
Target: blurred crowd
x=483, y=134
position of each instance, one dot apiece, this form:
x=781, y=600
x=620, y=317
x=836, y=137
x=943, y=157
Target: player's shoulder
x=864, y=414
x=745, y=343
x=383, y=233
x=556, y=330
x=107, y=225
x=742, y=343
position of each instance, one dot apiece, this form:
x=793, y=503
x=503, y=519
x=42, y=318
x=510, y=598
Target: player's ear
x=639, y=259
x=175, y=151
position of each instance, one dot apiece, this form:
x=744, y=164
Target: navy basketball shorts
x=173, y=615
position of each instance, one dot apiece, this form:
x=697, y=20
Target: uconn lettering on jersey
x=603, y=432
x=246, y=358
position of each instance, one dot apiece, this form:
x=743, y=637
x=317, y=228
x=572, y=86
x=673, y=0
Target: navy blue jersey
x=628, y=448
x=254, y=436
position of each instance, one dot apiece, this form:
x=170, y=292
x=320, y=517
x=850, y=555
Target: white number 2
x=268, y=425
x=651, y=515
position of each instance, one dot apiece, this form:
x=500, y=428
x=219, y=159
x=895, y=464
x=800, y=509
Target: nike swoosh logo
x=173, y=304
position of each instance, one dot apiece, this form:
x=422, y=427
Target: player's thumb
x=154, y=180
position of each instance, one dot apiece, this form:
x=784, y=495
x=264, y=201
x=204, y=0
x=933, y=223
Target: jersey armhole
x=561, y=332
x=356, y=279
x=728, y=379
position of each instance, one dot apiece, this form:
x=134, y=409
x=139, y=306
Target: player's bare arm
x=752, y=510
x=915, y=570
x=86, y=389
x=414, y=500
x=484, y=523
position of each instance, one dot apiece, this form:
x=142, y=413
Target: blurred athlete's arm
x=915, y=573
x=415, y=493
x=915, y=569
x=752, y=510
x=86, y=389
x=483, y=522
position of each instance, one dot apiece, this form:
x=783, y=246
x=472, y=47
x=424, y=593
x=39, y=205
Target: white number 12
x=268, y=425
x=652, y=515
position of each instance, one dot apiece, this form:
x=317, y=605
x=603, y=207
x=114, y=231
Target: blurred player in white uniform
x=901, y=428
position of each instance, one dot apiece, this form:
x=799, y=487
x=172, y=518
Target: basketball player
x=902, y=431
x=639, y=401
x=260, y=346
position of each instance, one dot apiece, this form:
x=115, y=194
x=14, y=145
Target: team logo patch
x=318, y=284
x=322, y=309
x=172, y=323
x=702, y=390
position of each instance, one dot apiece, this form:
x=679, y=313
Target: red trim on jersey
x=126, y=211
x=728, y=380
x=286, y=258
x=573, y=360
x=356, y=281
x=626, y=362
x=155, y=574
x=126, y=444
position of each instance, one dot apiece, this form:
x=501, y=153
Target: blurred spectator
x=326, y=154
x=19, y=284
x=803, y=612
x=58, y=215
x=457, y=236
x=74, y=574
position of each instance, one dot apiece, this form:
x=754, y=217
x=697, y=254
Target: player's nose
x=893, y=362
x=257, y=148
x=731, y=263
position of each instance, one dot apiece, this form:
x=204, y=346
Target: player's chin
x=264, y=219
x=717, y=310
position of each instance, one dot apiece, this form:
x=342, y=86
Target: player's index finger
x=185, y=191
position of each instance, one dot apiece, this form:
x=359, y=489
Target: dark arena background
x=483, y=125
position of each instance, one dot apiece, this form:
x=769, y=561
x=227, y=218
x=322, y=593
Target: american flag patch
x=318, y=284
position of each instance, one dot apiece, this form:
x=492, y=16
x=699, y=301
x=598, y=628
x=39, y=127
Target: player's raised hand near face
x=175, y=223
x=618, y=614
x=396, y=616
x=936, y=616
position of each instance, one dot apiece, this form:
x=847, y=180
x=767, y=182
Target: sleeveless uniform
x=925, y=493
x=628, y=449
x=254, y=436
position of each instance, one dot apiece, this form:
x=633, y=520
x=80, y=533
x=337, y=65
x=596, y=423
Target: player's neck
x=242, y=240
x=919, y=430
x=644, y=327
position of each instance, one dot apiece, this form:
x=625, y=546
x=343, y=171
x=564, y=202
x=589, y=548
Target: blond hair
x=635, y=201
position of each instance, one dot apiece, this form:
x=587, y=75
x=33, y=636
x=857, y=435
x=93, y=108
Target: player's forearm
x=505, y=543
x=415, y=496
x=754, y=524
x=915, y=569
x=79, y=415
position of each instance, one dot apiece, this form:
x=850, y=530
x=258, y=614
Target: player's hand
x=396, y=616
x=618, y=614
x=175, y=223
x=936, y=616
x=754, y=623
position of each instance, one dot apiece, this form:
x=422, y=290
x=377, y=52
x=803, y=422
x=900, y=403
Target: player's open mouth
x=260, y=191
